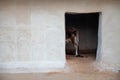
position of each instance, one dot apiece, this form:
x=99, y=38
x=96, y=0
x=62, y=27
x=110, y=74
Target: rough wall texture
x=32, y=32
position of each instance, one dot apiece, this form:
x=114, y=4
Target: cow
x=74, y=39
x=75, y=42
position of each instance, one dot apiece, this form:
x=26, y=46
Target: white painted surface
x=34, y=31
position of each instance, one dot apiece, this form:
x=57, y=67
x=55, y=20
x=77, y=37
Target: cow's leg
x=76, y=51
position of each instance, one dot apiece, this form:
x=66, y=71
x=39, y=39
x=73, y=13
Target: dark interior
x=87, y=25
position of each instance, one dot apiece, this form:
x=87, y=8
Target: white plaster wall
x=110, y=36
x=32, y=32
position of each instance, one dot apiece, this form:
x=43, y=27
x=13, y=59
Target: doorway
x=86, y=25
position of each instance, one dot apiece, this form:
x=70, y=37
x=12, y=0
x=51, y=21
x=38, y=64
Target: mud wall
x=29, y=31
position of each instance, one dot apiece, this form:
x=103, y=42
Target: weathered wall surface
x=32, y=32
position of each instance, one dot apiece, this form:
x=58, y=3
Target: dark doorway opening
x=86, y=25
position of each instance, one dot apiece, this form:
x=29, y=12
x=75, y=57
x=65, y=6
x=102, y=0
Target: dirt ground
x=78, y=68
